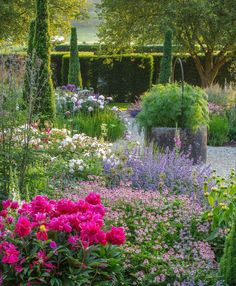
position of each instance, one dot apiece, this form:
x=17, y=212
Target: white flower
x=101, y=97
x=74, y=99
x=115, y=108
x=101, y=106
x=90, y=109
x=90, y=98
x=109, y=98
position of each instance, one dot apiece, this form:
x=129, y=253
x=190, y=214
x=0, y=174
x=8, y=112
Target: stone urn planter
x=193, y=143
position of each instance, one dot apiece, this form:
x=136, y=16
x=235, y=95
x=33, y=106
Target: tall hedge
x=124, y=77
x=228, y=261
x=44, y=91
x=27, y=80
x=166, y=61
x=74, y=76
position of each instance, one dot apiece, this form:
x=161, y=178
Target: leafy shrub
x=149, y=170
x=231, y=115
x=222, y=202
x=165, y=236
x=218, y=130
x=162, y=107
x=58, y=243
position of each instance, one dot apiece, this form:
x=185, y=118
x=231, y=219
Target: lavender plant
x=149, y=169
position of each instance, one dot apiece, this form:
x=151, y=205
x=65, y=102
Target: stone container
x=193, y=143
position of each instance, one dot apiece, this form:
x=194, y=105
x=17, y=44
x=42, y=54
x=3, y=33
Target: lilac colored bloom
x=53, y=245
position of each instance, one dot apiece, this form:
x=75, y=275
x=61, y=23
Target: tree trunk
x=209, y=71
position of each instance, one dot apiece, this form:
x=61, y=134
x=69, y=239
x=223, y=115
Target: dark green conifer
x=28, y=68
x=166, y=61
x=44, y=91
x=74, y=76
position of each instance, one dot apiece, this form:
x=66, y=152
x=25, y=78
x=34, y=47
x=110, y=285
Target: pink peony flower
x=53, y=245
x=116, y=235
x=93, y=199
x=3, y=213
x=23, y=226
x=6, y=204
x=11, y=254
x=14, y=205
x=91, y=233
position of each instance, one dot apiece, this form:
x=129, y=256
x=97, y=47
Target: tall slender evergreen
x=44, y=91
x=228, y=261
x=74, y=76
x=166, y=61
x=26, y=90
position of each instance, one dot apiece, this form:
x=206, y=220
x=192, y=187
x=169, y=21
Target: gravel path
x=221, y=159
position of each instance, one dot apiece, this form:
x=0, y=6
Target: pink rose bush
x=49, y=242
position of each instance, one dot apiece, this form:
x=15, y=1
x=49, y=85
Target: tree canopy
x=16, y=15
x=205, y=27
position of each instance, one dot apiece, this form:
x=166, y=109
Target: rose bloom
x=23, y=226
x=93, y=199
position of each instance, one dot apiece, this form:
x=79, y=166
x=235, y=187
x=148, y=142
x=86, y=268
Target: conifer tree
x=44, y=91
x=74, y=76
x=166, y=61
x=26, y=90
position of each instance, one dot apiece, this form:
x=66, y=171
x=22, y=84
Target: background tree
x=45, y=103
x=201, y=27
x=16, y=16
x=74, y=76
x=166, y=61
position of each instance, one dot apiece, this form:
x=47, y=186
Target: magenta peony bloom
x=11, y=254
x=116, y=236
x=14, y=205
x=23, y=226
x=53, y=245
x=6, y=204
x=93, y=199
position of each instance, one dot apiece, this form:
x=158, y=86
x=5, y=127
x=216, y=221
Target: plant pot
x=192, y=143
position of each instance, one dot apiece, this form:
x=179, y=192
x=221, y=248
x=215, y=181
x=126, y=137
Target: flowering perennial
x=50, y=236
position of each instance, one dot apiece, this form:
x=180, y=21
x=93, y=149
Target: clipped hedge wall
x=124, y=77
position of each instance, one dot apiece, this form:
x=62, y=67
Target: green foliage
x=27, y=89
x=16, y=16
x=166, y=61
x=74, y=76
x=218, y=130
x=222, y=202
x=228, y=261
x=162, y=107
x=44, y=92
x=106, y=125
x=122, y=77
x=231, y=115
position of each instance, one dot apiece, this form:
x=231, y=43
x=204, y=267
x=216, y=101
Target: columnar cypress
x=166, y=61
x=44, y=92
x=74, y=76
x=228, y=261
x=26, y=90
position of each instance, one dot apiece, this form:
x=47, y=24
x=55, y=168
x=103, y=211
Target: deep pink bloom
x=23, y=226
x=6, y=204
x=116, y=235
x=42, y=235
x=73, y=239
x=93, y=199
x=91, y=233
x=3, y=213
x=10, y=219
x=53, y=245
x=14, y=205
x=11, y=254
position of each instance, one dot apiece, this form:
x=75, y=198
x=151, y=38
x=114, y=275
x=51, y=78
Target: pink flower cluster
x=81, y=222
